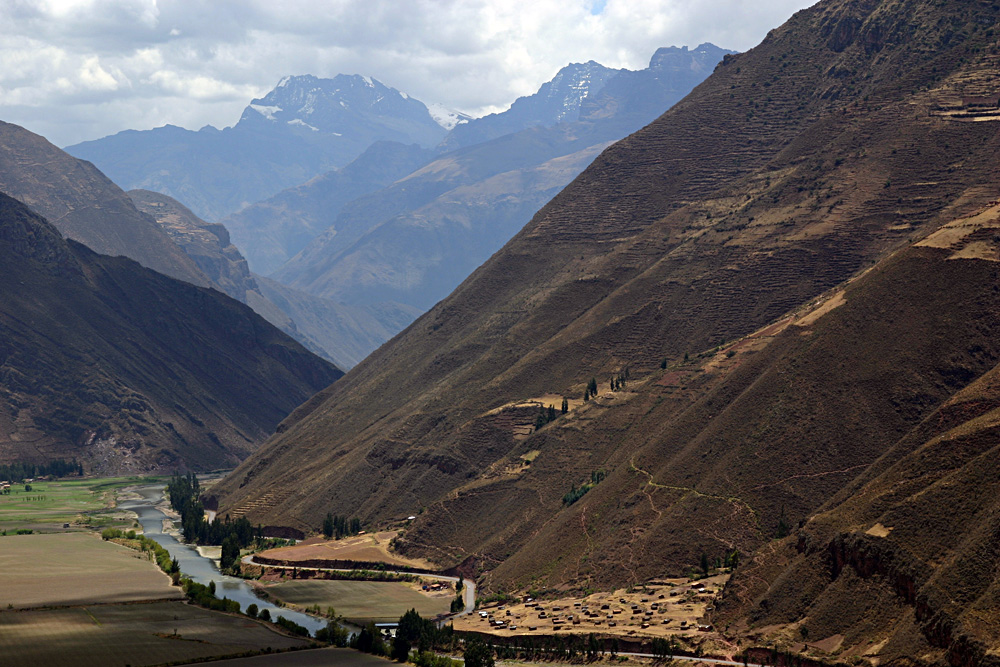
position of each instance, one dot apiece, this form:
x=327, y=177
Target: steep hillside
x=756, y=241
x=342, y=334
x=207, y=244
x=128, y=370
x=416, y=240
x=305, y=126
x=272, y=231
x=84, y=205
x=346, y=333
x=896, y=563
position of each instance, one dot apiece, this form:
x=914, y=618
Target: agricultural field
x=77, y=502
x=379, y=601
x=75, y=568
x=130, y=634
x=321, y=657
x=370, y=547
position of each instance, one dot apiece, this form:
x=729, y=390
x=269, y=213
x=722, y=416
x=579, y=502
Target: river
x=200, y=569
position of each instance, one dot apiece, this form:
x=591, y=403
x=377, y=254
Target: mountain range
x=785, y=291
x=303, y=127
x=410, y=236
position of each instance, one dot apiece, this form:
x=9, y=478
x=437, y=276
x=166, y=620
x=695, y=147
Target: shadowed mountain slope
x=272, y=231
x=84, y=205
x=128, y=370
x=710, y=242
x=342, y=334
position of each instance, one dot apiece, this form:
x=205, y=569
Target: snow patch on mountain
x=446, y=117
x=266, y=111
x=299, y=121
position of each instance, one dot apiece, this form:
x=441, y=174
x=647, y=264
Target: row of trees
x=184, y=492
x=21, y=471
x=576, y=492
x=338, y=526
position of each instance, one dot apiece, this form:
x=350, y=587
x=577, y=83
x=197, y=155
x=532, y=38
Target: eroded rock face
x=207, y=244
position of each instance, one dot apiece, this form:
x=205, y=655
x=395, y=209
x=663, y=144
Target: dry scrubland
x=379, y=601
x=132, y=634
x=75, y=568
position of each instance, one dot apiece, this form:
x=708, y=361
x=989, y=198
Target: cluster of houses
x=643, y=612
x=436, y=587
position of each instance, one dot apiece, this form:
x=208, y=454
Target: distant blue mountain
x=302, y=128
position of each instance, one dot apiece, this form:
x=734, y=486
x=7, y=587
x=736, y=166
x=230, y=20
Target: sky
x=74, y=70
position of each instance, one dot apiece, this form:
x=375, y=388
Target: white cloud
x=80, y=69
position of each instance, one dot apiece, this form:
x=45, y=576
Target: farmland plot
x=62, y=569
x=130, y=634
x=361, y=600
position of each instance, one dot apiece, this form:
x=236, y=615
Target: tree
x=264, y=615
x=592, y=386
x=704, y=564
x=400, y=649
x=230, y=553
x=252, y=611
x=479, y=654
x=565, y=405
x=551, y=413
x=328, y=526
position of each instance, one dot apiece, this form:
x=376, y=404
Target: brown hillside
x=85, y=205
x=795, y=167
x=127, y=370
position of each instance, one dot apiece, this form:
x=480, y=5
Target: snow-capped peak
x=446, y=117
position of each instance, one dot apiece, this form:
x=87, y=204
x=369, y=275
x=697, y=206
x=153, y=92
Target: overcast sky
x=74, y=70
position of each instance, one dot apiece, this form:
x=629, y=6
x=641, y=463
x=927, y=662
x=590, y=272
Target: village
x=661, y=608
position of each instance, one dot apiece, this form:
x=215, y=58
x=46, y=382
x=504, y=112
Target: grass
x=360, y=600
x=75, y=568
x=77, y=502
x=132, y=634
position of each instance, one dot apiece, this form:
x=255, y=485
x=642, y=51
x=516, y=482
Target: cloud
x=80, y=69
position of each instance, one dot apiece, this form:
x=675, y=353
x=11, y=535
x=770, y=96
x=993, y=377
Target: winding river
x=199, y=568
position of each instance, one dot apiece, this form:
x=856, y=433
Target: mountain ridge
x=128, y=370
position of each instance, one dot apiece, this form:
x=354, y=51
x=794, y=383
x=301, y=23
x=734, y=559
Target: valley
x=695, y=358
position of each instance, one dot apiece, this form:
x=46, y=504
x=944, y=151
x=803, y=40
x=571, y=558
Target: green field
x=129, y=634
x=381, y=601
x=75, y=568
x=50, y=505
